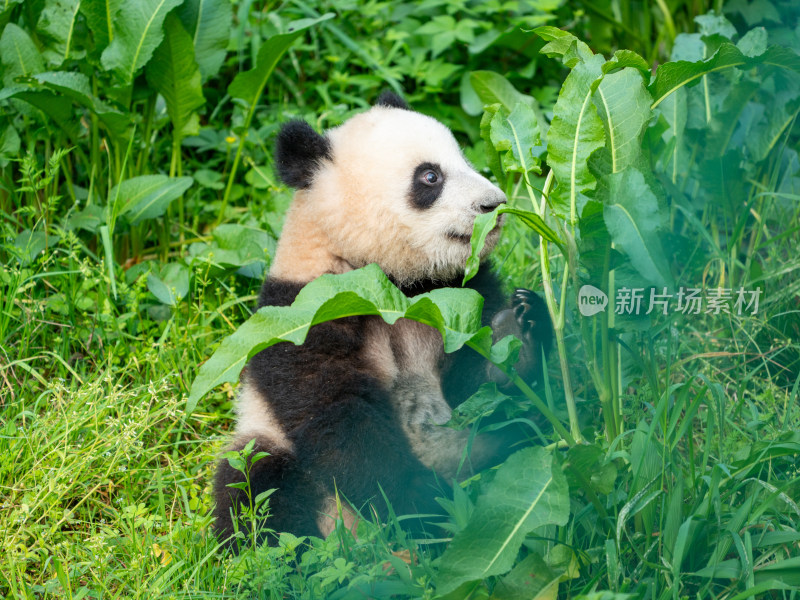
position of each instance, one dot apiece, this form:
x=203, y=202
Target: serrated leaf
x=147, y=196
x=19, y=54
x=57, y=21
x=576, y=130
x=100, y=17
x=624, y=106
x=138, y=31
x=528, y=491
x=455, y=313
x=174, y=73
x=633, y=219
x=208, y=23
x=249, y=85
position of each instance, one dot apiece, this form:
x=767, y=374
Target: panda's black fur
x=334, y=422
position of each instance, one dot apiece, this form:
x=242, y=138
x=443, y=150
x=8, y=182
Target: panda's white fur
x=361, y=403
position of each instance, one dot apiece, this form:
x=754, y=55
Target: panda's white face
x=395, y=189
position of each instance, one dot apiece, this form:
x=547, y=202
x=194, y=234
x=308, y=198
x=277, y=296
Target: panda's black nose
x=489, y=204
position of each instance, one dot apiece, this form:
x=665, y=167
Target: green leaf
x=455, y=313
x=57, y=21
x=209, y=23
x=19, y=54
x=77, y=87
x=624, y=106
x=249, y=85
x=530, y=579
x=100, y=17
x=484, y=223
x=515, y=135
x=174, y=73
x=171, y=286
x=137, y=33
x=528, y=491
x=492, y=155
x=674, y=75
x=627, y=58
x=564, y=45
x=633, y=219
x=674, y=110
x=147, y=196
x=576, y=130
x=493, y=88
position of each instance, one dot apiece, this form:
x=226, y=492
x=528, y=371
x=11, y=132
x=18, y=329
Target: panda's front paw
x=527, y=319
x=532, y=318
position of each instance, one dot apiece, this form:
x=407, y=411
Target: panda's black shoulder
x=277, y=292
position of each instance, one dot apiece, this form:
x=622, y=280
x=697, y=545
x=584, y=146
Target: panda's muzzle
x=489, y=204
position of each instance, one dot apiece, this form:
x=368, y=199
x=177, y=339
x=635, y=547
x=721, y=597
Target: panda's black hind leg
x=290, y=507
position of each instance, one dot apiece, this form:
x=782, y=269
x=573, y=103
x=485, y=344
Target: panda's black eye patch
x=426, y=185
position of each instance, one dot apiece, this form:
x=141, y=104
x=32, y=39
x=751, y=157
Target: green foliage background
x=653, y=145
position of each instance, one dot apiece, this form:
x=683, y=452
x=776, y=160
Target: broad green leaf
x=209, y=24
x=57, y=21
x=174, y=74
x=515, y=135
x=171, y=286
x=528, y=491
x=724, y=122
x=19, y=54
x=100, y=17
x=576, y=130
x=633, y=219
x=674, y=75
x=57, y=109
x=455, y=313
x=493, y=88
x=530, y=579
x=138, y=31
x=588, y=468
x=624, y=106
x=249, y=85
x=77, y=87
x=147, y=196
x=674, y=111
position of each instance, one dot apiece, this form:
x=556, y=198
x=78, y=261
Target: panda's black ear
x=299, y=152
x=392, y=100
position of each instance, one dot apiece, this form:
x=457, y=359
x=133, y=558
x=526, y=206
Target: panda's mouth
x=466, y=238
x=460, y=237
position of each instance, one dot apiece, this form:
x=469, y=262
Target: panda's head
x=389, y=186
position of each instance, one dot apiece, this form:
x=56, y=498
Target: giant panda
x=357, y=409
